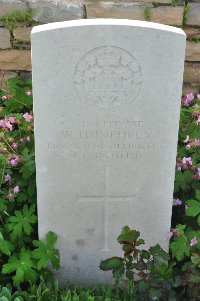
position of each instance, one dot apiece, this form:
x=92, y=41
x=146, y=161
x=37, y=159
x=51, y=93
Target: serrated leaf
x=22, y=221
x=6, y=246
x=155, y=250
x=111, y=263
x=4, y=299
x=23, y=267
x=194, y=208
x=180, y=248
x=195, y=258
x=46, y=252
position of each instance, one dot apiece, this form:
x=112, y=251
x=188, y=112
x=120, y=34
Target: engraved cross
x=106, y=198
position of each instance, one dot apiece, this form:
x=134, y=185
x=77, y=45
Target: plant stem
x=6, y=142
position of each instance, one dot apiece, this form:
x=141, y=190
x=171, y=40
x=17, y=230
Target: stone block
x=5, y=38
x=192, y=73
x=47, y=12
x=187, y=88
x=192, y=33
x=15, y=60
x=22, y=34
x=167, y=15
x=4, y=76
x=133, y=11
x=9, y=6
x=192, y=51
x=193, y=15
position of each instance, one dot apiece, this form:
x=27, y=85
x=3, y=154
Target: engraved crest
x=107, y=76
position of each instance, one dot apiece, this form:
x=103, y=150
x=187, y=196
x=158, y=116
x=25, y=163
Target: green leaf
x=128, y=235
x=46, y=252
x=180, y=248
x=111, y=263
x=4, y=299
x=23, y=267
x=194, y=208
x=196, y=259
x=6, y=246
x=145, y=254
x=5, y=292
x=114, y=264
x=22, y=222
x=155, y=250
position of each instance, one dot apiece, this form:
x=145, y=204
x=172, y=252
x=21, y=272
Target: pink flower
x=198, y=96
x=187, y=99
x=198, y=120
x=28, y=117
x=6, y=123
x=14, y=160
x=28, y=139
x=198, y=172
x=7, y=178
x=16, y=189
x=188, y=146
x=6, y=97
x=179, y=168
x=177, y=202
x=187, y=160
x=197, y=142
x=193, y=241
x=15, y=145
x=29, y=92
x=9, y=125
x=12, y=119
x=169, y=234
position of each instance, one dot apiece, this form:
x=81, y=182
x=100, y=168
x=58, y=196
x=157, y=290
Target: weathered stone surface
x=4, y=76
x=192, y=51
x=193, y=16
x=187, y=88
x=15, y=60
x=100, y=82
x=24, y=75
x=192, y=73
x=22, y=34
x=192, y=33
x=9, y=6
x=132, y=11
x=167, y=15
x=4, y=38
x=122, y=2
x=47, y=12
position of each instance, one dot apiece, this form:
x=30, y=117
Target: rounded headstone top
x=106, y=22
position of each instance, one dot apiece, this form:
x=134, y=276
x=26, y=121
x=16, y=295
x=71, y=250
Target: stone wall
x=15, y=35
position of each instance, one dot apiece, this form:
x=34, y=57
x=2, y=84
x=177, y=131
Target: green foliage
x=149, y=267
x=23, y=267
x=176, y=2
x=147, y=13
x=46, y=252
x=21, y=223
x=185, y=13
x=18, y=19
x=22, y=257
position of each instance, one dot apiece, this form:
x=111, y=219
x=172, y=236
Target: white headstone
x=106, y=104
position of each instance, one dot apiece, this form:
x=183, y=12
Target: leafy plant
x=18, y=19
x=147, y=270
x=175, y=2
x=147, y=13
